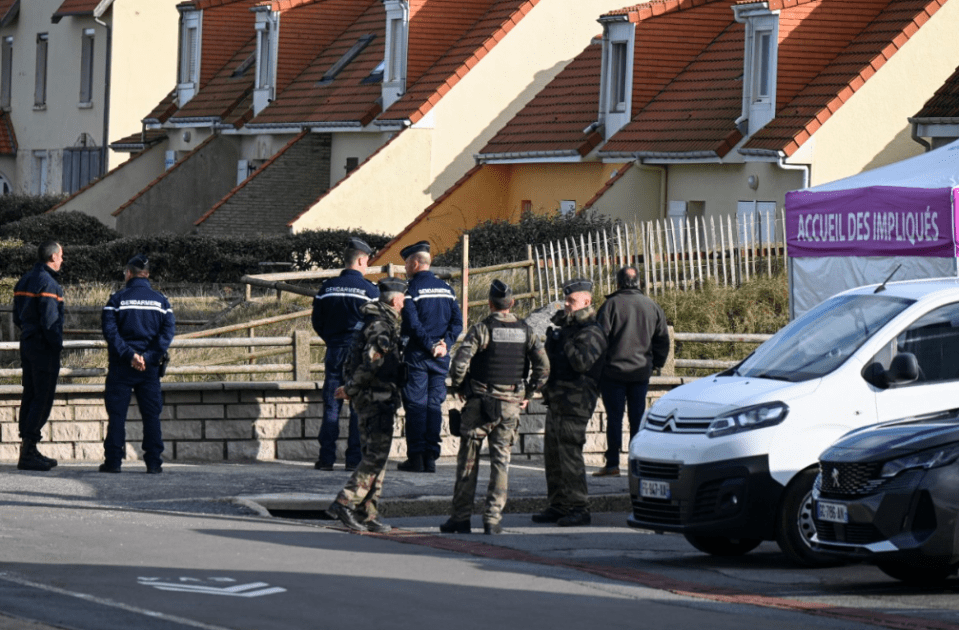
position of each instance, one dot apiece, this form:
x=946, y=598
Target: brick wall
x=241, y=421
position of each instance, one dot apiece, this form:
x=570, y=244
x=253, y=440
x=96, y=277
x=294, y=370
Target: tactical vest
x=560, y=369
x=393, y=369
x=503, y=362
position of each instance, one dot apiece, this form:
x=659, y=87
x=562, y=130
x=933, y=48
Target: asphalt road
x=80, y=550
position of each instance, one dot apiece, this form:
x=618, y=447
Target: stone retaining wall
x=243, y=421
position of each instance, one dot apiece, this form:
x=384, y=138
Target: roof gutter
x=486, y=157
x=107, y=76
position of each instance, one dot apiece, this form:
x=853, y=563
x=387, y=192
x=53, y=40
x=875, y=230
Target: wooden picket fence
x=678, y=254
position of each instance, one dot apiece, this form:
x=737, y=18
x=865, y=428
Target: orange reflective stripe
x=48, y=295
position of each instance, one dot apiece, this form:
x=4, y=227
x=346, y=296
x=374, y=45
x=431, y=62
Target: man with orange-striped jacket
x=38, y=313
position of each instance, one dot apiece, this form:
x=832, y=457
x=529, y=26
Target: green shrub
x=16, y=207
x=67, y=228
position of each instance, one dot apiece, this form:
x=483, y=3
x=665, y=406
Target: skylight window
x=347, y=57
x=377, y=75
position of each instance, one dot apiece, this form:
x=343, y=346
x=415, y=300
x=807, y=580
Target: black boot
x=456, y=527
x=413, y=463
x=29, y=461
x=39, y=455
x=429, y=463
x=346, y=516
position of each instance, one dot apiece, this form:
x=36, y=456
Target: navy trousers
x=617, y=395
x=423, y=399
x=122, y=382
x=41, y=366
x=330, y=429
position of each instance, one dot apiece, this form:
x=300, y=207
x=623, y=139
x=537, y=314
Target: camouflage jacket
x=373, y=371
x=477, y=339
x=576, y=345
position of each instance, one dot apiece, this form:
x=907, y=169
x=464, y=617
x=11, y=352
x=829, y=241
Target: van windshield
x=821, y=340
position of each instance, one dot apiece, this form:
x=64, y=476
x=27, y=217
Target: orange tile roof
x=882, y=27
x=944, y=104
x=164, y=109
x=137, y=142
x=227, y=25
x=8, y=138
x=75, y=7
x=554, y=120
x=447, y=38
x=226, y=92
x=8, y=11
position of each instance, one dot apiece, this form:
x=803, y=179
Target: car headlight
x=642, y=421
x=748, y=418
x=932, y=458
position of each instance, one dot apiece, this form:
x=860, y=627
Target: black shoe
x=322, y=466
x=155, y=469
x=377, y=526
x=492, y=528
x=29, y=462
x=575, y=518
x=429, y=463
x=109, y=468
x=346, y=516
x=456, y=527
x=37, y=454
x=549, y=515
x=413, y=463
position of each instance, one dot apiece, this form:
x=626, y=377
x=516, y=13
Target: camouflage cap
x=576, y=285
x=361, y=245
x=415, y=248
x=499, y=289
x=391, y=285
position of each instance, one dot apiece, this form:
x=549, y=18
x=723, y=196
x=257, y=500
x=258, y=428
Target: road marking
x=254, y=589
x=112, y=604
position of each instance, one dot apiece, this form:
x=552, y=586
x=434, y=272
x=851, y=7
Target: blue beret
x=576, y=285
x=391, y=284
x=415, y=248
x=140, y=261
x=499, y=289
x=360, y=244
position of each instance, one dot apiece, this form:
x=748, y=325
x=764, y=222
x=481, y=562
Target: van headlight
x=642, y=421
x=932, y=458
x=748, y=418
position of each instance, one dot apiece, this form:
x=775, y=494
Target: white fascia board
x=191, y=123
x=102, y=8
x=570, y=159
x=756, y=155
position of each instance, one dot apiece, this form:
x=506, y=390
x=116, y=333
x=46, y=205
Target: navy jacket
x=138, y=320
x=430, y=314
x=337, y=307
x=38, y=307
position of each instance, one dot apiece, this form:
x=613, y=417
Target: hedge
x=495, y=242
x=16, y=207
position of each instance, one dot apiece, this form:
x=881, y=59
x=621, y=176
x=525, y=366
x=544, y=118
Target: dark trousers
x=423, y=399
x=330, y=429
x=617, y=395
x=41, y=366
x=122, y=381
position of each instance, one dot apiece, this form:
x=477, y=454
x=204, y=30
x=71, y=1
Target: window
x=86, y=66
x=934, y=339
x=757, y=222
x=266, y=43
x=189, y=71
x=394, y=66
x=345, y=60
x=567, y=206
x=526, y=205
x=760, y=60
x=6, y=71
x=40, y=166
x=40, y=86
x=81, y=165
x=761, y=78
x=351, y=164
x=617, y=77
x=397, y=50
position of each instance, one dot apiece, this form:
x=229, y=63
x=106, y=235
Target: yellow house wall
x=347, y=145
x=118, y=186
x=871, y=129
x=380, y=196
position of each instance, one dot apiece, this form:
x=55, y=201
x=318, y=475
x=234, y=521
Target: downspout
x=917, y=138
x=789, y=262
x=795, y=167
x=105, y=165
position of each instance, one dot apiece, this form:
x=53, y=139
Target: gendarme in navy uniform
x=432, y=321
x=138, y=325
x=337, y=316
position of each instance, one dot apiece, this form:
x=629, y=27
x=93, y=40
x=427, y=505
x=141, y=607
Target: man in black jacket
x=38, y=313
x=638, y=337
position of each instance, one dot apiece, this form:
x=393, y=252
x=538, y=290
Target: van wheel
x=795, y=526
x=722, y=546
x=919, y=576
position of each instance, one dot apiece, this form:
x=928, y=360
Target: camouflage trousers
x=484, y=417
x=362, y=491
x=563, y=455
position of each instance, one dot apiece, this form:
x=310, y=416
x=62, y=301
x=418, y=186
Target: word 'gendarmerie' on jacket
x=576, y=346
x=373, y=372
x=337, y=307
x=431, y=314
x=138, y=320
x=496, y=357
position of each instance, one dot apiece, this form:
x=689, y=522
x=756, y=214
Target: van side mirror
x=903, y=369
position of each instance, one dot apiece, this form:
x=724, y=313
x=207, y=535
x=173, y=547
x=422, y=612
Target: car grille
x=706, y=497
x=675, y=424
x=849, y=479
x=851, y=533
x=655, y=511
x=656, y=470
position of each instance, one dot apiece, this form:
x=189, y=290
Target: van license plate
x=653, y=489
x=832, y=512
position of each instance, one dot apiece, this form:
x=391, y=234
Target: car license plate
x=653, y=489
x=832, y=512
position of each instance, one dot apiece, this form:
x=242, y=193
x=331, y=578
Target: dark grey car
x=889, y=494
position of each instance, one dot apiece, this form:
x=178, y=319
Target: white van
x=730, y=460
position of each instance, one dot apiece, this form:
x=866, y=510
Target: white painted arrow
x=254, y=589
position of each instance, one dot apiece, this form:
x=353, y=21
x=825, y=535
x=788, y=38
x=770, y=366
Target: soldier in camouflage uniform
x=489, y=371
x=373, y=378
x=576, y=347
